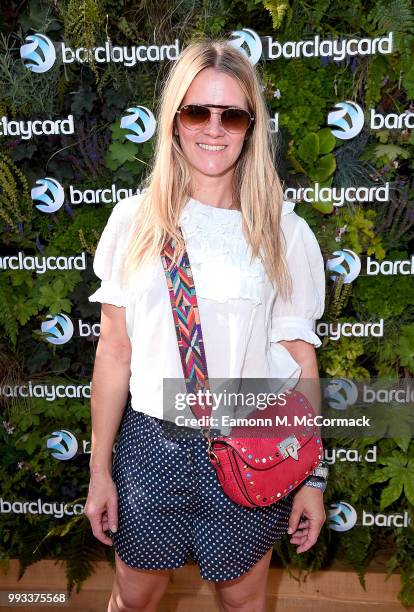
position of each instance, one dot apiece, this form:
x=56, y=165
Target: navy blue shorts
x=172, y=509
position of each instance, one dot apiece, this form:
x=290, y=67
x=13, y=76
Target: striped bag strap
x=186, y=318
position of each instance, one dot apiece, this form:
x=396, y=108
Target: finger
x=301, y=527
x=112, y=512
x=300, y=534
x=298, y=540
x=97, y=530
x=310, y=540
x=294, y=518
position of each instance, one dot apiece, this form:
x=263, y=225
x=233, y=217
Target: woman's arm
x=110, y=384
x=308, y=512
x=304, y=354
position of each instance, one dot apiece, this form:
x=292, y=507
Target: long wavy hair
x=257, y=190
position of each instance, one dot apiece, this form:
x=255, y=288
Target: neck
x=214, y=190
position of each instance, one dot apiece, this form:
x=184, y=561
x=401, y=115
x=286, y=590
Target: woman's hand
x=309, y=502
x=101, y=506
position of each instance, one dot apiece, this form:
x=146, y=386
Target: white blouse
x=242, y=316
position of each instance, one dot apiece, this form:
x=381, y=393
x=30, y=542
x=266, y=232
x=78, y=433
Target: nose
x=214, y=127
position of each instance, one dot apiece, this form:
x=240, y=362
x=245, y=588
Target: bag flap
x=264, y=446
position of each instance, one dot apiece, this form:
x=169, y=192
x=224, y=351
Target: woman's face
x=211, y=86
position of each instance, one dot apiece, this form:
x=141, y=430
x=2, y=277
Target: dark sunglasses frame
x=208, y=106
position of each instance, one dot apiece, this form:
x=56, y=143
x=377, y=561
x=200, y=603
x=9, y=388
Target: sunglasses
x=232, y=119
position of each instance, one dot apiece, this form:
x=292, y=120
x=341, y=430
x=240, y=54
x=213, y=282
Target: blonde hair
x=257, y=190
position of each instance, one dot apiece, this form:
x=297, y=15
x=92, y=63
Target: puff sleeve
x=295, y=318
x=110, y=253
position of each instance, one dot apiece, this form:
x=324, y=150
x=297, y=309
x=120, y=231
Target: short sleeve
x=110, y=253
x=295, y=318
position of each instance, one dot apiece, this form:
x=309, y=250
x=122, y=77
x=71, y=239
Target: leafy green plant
x=301, y=91
x=315, y=159
x=16, y=206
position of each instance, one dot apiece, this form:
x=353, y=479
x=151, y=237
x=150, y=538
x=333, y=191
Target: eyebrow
x=217, y=105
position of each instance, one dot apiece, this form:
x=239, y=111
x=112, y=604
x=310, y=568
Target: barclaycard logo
x=341, y=516
x=347, y=263
x=340, y=393
x=335, y=330
x=346, y=119
x=248, y=43
x=63, y=444
x=27, y=129
x=255, y=47
x=38, y=54
x=139, y=125
x=49, y=194
x=351, y=455
x=46, y=391
x=338, y=195
x=58, y=329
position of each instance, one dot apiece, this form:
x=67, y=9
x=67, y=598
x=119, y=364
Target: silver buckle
x=289, y=447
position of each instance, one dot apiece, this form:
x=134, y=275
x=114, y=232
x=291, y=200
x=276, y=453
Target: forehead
x=212, y=86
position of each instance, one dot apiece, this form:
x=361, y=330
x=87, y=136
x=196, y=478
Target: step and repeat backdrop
x=79, y=86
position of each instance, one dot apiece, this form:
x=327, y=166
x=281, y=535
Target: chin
x=217, y=172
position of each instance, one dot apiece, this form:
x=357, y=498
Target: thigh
x=155, y=496
x=229, y=538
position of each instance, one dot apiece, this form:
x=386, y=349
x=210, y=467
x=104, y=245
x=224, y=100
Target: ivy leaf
x=406, y=347
x=53, y=296
x=409, y=481
x=120, y=152
x=391, y=493
x=24, y=310
x=400, y=473
x=390, y=152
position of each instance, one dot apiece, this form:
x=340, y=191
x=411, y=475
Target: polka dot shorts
x=171, y=507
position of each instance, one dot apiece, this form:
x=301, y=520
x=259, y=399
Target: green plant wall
x=301, y=92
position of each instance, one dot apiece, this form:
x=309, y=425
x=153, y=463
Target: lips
x=203, y=146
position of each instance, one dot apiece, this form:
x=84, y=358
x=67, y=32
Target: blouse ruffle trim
x=215, y=242
x=294, y=328
x=109, y=293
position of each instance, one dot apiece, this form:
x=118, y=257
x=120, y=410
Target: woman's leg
x=247, y=593
x=137, y=590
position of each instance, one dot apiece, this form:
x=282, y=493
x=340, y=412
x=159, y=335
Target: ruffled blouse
x=243, y=317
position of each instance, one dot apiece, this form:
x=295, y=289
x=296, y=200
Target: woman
x=213, y=176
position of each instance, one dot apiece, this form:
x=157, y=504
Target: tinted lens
x=235, y=120
x=194, y=116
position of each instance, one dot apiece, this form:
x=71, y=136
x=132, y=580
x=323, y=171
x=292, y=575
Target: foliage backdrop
x=98, y=156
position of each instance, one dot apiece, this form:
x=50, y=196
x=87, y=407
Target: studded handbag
x=254, y=470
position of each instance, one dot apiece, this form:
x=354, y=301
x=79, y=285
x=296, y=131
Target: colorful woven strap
x=186, y=318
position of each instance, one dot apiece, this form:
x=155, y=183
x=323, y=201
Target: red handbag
x=254, y=470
